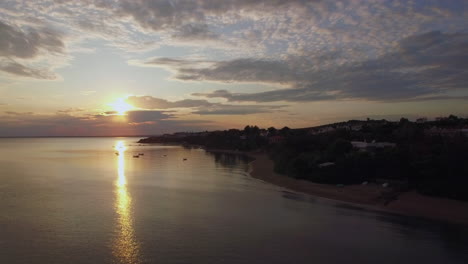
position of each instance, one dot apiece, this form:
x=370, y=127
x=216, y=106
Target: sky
x=141, y=67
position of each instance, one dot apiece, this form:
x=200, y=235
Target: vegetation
x=430, y=157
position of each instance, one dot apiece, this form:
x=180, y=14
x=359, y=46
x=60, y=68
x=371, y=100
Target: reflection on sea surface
x=72, y=200
x=125, y=247
x=229, y=160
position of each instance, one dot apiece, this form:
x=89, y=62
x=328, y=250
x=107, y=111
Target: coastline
x=408, y=203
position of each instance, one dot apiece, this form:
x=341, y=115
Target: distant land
x=410, y=167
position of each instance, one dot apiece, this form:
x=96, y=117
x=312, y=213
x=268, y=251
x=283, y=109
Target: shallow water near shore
x=96, y=200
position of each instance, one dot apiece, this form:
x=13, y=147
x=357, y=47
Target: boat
x=136, y=156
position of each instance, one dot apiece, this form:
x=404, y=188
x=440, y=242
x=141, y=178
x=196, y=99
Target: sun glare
x=120, y=106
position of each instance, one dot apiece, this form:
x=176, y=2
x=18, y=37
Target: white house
x=365, y=145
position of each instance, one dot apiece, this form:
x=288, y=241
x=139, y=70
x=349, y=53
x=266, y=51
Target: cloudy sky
x=133, y=67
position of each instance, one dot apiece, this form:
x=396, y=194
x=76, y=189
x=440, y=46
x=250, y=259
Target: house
x=359, y=144
x=421, y=120
x=362, y=145
x=275, y=139
x=321, y=130
x=181, y=134
x=356, y=127
x=264, y=133
x=445, y=132
x=326, y=164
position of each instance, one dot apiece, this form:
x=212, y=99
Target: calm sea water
x=88, y=200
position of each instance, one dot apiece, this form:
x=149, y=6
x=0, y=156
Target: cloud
x=70, y=110
x=29, y=43
x=149, y=102
x=145, y=116
x=192, y=32
x=429, y=64
x=64, y=124
x=223, y=109
x=244, y=70
x=288, y=95
x=264, y=28
x=164, y=14
x=201, y=107
x=17, y=69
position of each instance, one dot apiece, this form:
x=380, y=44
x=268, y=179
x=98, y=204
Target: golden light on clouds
x=121, y=106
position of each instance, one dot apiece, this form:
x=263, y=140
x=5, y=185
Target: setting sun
x=120, y=106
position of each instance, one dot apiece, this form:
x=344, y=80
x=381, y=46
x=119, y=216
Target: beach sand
x=369, y=196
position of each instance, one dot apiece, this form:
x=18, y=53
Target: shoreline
x=409, y=203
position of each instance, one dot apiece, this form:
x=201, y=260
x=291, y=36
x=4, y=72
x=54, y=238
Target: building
x=362, y=145
x=275, y=139
x=321, y=130
x=446, y=132
x=421, y=120
x=326, y=164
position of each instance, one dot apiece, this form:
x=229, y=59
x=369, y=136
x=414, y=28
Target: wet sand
x=370, y=196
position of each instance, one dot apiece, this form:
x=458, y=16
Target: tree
x=271, y=131
x=285, y=131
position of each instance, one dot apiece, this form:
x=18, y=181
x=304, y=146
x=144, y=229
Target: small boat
x=141, y=154
x=136, y=156
x=185, y=159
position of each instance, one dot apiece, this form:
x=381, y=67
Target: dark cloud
x=291, y=95
x=429, y=64
x=201, y=107
x=15, y=68
x=15, y=42
x=195, y=32
x=223, y=109
x=70, y=110
x=62, y=124
x=145, y=116
x=187, y=19
x=163, y=14
x=437, y=98
x=243, y=70
x=176, y=63
x=18, y=113
x=149, y=102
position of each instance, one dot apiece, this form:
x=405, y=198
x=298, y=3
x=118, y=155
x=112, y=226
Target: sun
x=120, y=106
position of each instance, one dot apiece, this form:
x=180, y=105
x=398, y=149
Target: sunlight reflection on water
x=125, y=248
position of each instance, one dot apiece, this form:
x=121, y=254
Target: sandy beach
x=369, y=196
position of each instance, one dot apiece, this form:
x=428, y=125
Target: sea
x=113, y=200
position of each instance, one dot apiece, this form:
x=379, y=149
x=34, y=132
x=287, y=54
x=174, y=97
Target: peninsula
x=411, y=167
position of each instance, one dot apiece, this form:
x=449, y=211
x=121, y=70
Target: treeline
x=434, y=164
x=248, y=139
